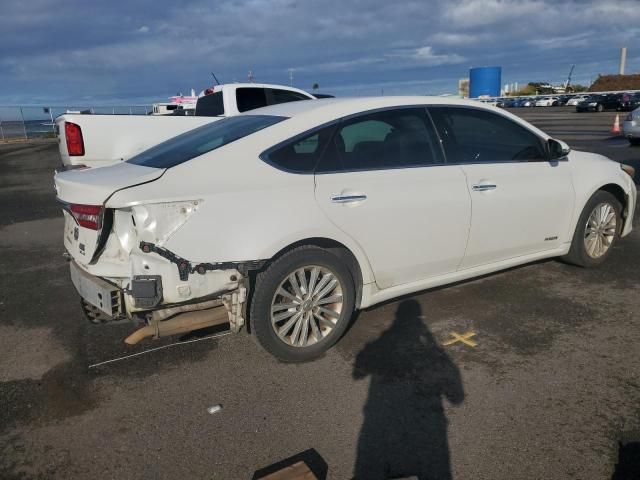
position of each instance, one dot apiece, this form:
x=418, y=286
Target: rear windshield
x=203, y=139
x=211, y=105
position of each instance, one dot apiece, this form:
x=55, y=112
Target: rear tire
x=597, y=231
x=302, y=304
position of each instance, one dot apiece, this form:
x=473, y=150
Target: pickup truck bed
x=101, y=140
x=109, y=138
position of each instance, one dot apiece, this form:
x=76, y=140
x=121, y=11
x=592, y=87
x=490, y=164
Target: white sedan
x=576, y=100
x=295, y=215
x=546, y=101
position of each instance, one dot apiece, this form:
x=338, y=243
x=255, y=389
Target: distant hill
x=606, y=83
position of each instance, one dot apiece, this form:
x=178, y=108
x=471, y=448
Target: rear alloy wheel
x=597, y=231
x=306, y=306
x=302, y=304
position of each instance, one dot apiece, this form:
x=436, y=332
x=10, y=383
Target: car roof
x=309, y=114
x=347, y=105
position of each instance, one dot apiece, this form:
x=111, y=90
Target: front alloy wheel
x=600, y=230
x=597, y=231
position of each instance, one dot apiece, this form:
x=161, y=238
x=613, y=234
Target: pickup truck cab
x=99, y=140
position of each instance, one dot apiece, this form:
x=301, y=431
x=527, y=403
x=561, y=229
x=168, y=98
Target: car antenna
x=215, y=78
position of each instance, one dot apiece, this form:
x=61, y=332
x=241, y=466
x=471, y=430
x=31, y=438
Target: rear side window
x=285, y=96
x=398, y=138
x=301, y=154
x=202, y=140
x=210, y=105
x=250, y=98
x=471, y=135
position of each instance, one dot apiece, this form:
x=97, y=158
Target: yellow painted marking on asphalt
x=464, y=338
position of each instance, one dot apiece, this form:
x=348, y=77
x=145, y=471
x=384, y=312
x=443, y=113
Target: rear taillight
x=75, y=143
x=88, y=216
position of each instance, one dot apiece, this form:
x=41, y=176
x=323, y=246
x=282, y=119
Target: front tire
x=634, y=142
x=599, y=108
x=302, y=304
x=597, y=231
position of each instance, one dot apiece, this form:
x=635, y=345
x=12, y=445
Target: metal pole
x=623, y=59
x=1, y=131
x=53, y=129
x=24, y=126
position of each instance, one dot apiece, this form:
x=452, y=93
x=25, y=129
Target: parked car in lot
x=321, y=208
x=576, y=100
x=631, y=127
x=562, y=100
x=488, y=101
x=505, y=102
x=600, y=103
x=529, y=102
x=546, y=101
x=520, y=101
x=97, y=140
x=630, y=101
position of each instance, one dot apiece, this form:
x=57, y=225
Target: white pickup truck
x=98, y=140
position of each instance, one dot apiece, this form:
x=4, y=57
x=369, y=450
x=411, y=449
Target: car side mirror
x=558, y=149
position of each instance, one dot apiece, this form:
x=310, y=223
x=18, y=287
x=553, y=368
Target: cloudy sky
x=137, y=51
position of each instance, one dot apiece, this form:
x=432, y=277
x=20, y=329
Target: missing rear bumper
x=95, y=291
x=174, y=320
x=186, y=268
x=146, y=291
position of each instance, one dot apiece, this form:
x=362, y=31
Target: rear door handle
x=483, y=187
x=348, y=198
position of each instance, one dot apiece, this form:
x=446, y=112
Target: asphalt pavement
x=540, y=383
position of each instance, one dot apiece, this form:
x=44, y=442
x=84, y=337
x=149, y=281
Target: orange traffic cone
x=616, y=126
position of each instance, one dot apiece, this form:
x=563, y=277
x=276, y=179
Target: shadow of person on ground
x=405, y=428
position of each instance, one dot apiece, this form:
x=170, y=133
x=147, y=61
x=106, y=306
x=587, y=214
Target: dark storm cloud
x=142, y=50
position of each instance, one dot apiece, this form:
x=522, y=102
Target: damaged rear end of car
x=118, y=240
x=122, y=269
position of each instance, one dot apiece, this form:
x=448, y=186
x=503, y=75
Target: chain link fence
x=26, y=123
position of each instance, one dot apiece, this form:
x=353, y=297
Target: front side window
x=472, y=135
x=398, y=138
x=203, y=139
x=250, y=98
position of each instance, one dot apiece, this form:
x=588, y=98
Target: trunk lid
x=79, y=190
x=92, y=186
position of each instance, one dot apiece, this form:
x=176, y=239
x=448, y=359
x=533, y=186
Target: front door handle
x=348, y=197
x=483, y=187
